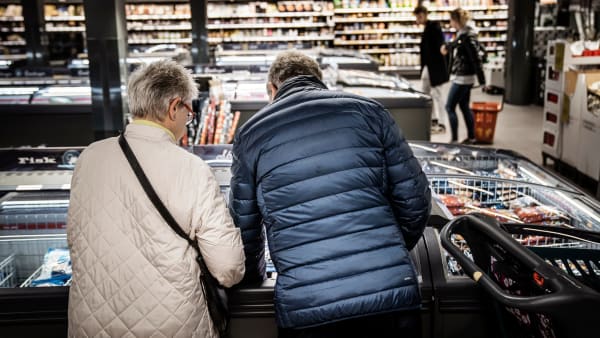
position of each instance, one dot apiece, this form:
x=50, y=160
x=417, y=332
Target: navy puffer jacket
x=342, y=199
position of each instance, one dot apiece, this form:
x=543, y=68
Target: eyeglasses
x=191, y=114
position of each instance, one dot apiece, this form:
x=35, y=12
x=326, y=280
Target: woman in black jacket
x=465, y=65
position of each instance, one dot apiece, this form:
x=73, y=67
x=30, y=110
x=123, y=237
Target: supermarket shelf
x=12, y=43
x=389, y=50
x=12, y=29
x=492, y=29
x=406, y=18
x=410, y=9
x=338, y=42
x=65, y=18
x=266, y=25
x=583, y=60
x=161, y=28
x=158, y=17
x=379, y=31
x=491, y=39
x=269, y=15
x=381, y=19
x=157, y=41
x=271, y=38
x=498, y=48
x=399, y=68
x=11, y=18
x=65, y=29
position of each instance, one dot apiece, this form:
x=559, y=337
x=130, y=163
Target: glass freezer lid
x=449, y=159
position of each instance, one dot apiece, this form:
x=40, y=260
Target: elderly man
x=343, y=200
x=132, y=274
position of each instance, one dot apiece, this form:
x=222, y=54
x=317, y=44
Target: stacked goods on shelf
x=268, y=25
x=216, y=124
x=159, y=23
x=387, y=29
x=65, y=24
x=11, y=28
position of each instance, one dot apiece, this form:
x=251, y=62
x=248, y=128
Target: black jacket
x=342, y=200
x=431, y=41
x=464, y=58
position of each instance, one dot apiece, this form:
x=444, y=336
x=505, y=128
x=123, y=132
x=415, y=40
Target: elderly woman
x=132, y=274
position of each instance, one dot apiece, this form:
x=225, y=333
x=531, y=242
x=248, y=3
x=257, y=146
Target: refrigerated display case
x=34, y=187
x=410, y=109
x=56, y=115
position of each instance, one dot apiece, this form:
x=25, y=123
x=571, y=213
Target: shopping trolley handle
x=562, y=291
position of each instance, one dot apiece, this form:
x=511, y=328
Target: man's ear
x=271, y=90
x=173, y=109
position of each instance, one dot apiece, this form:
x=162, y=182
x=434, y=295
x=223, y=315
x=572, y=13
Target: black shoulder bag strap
x=139, y=172
x=214, y=294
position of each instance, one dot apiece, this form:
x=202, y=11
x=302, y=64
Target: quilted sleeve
x=244, y=209
x=219, y=240
x=408, y=188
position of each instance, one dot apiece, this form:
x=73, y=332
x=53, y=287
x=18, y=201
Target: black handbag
x=216, y=298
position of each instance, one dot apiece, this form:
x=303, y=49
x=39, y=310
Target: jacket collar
x=148, y=132
x=298, y=83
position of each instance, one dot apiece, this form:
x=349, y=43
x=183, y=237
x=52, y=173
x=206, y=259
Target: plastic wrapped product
x=540, y=213
x=56, y=269
x=454, y=201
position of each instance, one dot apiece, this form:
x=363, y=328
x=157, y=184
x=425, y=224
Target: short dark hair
x=420, y=10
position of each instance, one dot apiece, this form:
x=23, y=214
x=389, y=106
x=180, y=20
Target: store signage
x=38, y=159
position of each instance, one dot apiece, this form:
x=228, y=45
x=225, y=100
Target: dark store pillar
x=199, y=32
x=35, y=32
x=519, y=52
x=107, y=52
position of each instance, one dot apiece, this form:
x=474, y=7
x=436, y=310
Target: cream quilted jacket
x=132, y=275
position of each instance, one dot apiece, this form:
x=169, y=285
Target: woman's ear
x=173, y=109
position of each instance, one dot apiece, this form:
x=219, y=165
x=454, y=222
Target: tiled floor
x=518, y=128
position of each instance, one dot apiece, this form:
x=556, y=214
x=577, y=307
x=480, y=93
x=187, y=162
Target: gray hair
x=151, y=87
x=290, y=64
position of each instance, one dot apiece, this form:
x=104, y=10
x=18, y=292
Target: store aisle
x=518, y=128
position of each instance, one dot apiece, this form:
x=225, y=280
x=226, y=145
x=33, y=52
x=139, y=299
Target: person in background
x=132, y=274
x=465, y=67
x=343, y=200
x=434, y=72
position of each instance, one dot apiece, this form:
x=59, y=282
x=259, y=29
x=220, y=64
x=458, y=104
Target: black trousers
x=405, y=324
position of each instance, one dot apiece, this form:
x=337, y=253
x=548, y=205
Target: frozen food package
x=56, y=269
x=523, y=202
x=540, y=213
x=455, y=201
x=502, y=215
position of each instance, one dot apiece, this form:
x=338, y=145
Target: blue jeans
x=460, y=95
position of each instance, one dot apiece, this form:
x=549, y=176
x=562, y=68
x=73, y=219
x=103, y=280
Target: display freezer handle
x=563, y=291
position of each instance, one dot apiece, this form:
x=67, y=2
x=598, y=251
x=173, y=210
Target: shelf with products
x=65, y=25
x=267, y=25
x=276, y=21
x=362, y=24
x=283, y=38
x=154, y=22
x=340, y=42
x=12, y=28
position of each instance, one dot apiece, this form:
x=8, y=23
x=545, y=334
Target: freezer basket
x=34, y=276
x=8, y=272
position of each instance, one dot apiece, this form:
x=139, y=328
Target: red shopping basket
x=485, y=114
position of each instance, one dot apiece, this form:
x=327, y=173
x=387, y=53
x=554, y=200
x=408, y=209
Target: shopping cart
x=550, y=291
x=485, y=115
